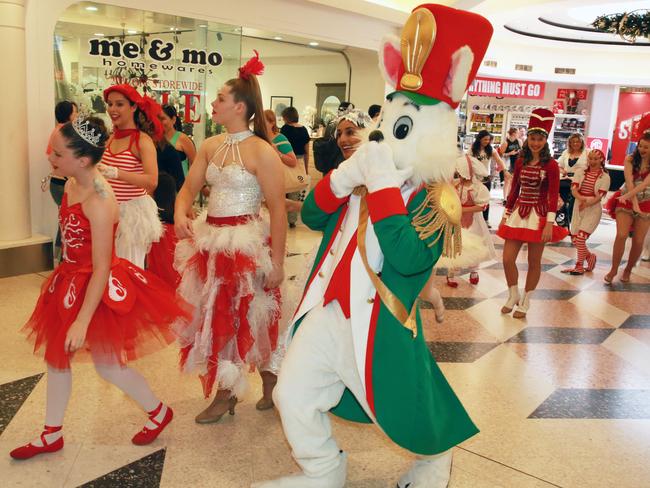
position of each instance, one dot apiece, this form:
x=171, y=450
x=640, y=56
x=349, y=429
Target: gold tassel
x=440, y=212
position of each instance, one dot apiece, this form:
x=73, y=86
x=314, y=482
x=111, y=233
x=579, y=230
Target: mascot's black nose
x=376, y=136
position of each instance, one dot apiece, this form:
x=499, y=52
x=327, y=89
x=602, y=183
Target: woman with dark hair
x=299, y=138
x=173, y=129
x=230, y=263
x=483, y=151
x=95, y=306
x=530, y=211
x=633, y=209
x=130, y=166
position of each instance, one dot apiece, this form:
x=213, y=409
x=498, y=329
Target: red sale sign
x=631, y=106
x=496, y=87
x=564, y=93
x=598, y=143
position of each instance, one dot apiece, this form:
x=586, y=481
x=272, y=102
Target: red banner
x=598, y=143
x=503, y=88
x=631, y=106
x=564, y=93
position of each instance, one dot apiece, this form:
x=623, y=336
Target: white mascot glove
x=379, y=169
x=107, y=171
x=348, y=175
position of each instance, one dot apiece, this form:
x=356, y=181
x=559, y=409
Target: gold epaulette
x=440, y=212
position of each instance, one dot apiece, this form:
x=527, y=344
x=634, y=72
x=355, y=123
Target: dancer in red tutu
x=95, y=305
x=230, y=268
x=530, y=211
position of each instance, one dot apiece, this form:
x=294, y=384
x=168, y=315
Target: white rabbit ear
x=390, y=59
x=458, y=76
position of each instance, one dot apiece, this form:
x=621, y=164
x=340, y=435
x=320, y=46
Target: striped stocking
x=580, y=243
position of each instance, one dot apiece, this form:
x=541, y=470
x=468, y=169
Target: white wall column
x=14, y=165
x=602, y=112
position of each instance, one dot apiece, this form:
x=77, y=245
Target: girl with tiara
x=129, y=164
x=231, y=262
x=530, y=211
x=95, y=305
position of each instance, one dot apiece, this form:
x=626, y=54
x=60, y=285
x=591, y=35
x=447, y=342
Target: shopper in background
x=574, y=157
x=297, y=135
x=633, y=209
x=327, y=155
x=374, y=111
x=530, y=211
x=285, y=151
x=509, y=149
x=64, y=112
x=174, y=134
x=483, y=151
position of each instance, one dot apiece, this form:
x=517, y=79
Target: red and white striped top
x=124, y=161
x=587, y=185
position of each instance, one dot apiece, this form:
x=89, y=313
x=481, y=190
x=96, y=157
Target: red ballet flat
x=473, y=278
x=452, y=282
x=30, y=450
x=147, y=435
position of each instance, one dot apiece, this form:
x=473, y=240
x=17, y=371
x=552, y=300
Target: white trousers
x=318, y=366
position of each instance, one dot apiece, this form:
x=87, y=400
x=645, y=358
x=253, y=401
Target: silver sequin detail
x=234, y=191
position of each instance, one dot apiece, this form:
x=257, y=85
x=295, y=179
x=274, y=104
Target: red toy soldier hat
x=541, y=120
x=439, y=43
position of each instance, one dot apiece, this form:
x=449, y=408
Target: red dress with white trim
x=643, y=197
x=223, y=268
x=532, y=200
x=132, y=319
x=589, y=183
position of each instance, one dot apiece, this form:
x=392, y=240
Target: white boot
x=522, y=306
x=333, y=479
x=428, y=472
x=513, y=299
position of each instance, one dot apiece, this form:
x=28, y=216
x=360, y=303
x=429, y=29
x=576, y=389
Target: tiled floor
x=562, y=398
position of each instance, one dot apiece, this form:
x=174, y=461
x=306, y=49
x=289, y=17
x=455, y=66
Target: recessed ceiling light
x=203, y=25
x=98, y=34
x=313, y=43
x=173, y=28
x=277, y=38
x=131, y=31
x=92, y=9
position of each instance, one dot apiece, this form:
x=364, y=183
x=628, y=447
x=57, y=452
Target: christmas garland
x=628, y=25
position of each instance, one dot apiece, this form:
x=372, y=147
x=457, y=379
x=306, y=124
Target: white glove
x=348, y=175
x=107, y=171
x=379, y=169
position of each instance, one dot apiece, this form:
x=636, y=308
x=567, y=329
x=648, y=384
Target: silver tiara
x=356, y=116
x=82, y=127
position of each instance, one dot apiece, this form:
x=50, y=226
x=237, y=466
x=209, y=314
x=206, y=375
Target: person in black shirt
x=299, y=138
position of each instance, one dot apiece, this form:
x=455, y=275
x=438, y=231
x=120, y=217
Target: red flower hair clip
x=253, y=67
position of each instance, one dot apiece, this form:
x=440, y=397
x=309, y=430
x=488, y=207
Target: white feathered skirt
x=476, y=246
x=139, y=227
x=236, y=319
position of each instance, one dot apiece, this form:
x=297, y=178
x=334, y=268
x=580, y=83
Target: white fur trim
x=394, y=42
x=436, y=155
x=461, y=65
x=139, y=225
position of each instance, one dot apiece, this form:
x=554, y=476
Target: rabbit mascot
x=387, y=214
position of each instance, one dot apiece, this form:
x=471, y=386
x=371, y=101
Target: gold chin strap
x=392, y=303
x=417, y=40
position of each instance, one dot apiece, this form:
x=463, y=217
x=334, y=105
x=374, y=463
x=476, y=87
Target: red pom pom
x=253, y=67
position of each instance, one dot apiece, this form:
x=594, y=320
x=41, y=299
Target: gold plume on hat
x=418, y=36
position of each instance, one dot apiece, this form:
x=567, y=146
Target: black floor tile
x=13, y=395
x=143, y=473
x=454, y=303
x=636, y=322
x=560, y=335
x=595, y=404
x=547, y=294
x=460, y=352
x=521, y=266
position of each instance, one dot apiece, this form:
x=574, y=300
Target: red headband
x=253, y=67
x=602, y=154
x=147, y=105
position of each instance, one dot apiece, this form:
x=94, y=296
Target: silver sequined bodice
x=234, y=191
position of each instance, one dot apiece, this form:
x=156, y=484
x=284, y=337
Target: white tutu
x=139, y=227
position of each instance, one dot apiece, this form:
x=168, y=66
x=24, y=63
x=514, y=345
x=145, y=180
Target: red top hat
x=146, y=104
x=432, y=45
x=541, y=120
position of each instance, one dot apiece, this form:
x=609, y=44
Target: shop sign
x=504, y=88
x=631, y=107
x=564, y=93
x=598, y=143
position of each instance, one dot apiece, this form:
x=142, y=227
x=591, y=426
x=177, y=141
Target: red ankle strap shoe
x=30, y=450
x=147, y=435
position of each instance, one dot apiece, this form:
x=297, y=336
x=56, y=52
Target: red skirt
x=160, y=260
x=132, y=320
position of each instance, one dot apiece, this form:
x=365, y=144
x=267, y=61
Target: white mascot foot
x=429, y=472
x=333, y=479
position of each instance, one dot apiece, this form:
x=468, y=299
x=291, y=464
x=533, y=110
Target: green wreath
x=628, y=25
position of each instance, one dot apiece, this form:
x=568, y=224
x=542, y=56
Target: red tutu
x=132, y=319
x=160, y=260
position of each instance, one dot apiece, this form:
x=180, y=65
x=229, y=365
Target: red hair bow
x=253, y=67
x=147, y=105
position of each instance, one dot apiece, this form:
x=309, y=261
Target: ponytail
x=248, y=91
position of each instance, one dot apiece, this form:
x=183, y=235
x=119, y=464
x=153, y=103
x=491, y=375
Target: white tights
x=59, y=387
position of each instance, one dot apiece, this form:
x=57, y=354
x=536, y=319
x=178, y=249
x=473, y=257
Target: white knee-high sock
x=59, y=387
x=130, y=382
